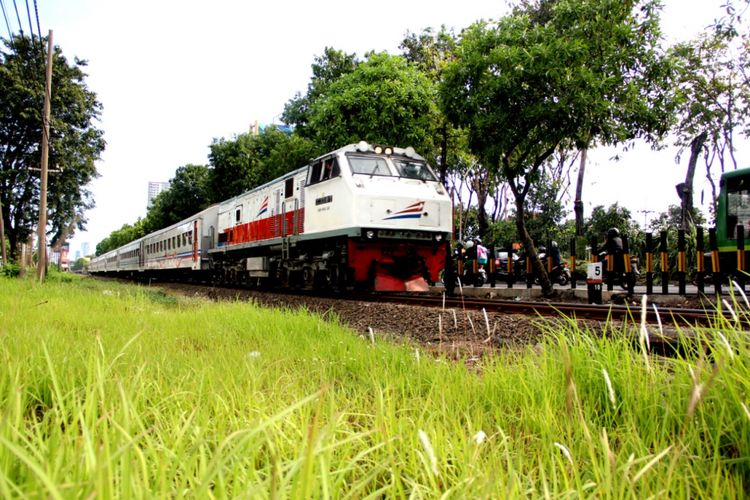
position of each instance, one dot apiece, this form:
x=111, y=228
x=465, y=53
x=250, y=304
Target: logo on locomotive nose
x=413, y=211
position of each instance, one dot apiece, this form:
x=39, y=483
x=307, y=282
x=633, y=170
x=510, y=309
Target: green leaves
x=384, y=100
x=75, y=142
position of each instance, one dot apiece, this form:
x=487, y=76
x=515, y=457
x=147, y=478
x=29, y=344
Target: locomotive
x=363, y=216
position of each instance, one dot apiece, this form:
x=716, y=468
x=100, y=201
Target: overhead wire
x=7, y=24
x=38, y=28
x=31, y=26
x=20, y=26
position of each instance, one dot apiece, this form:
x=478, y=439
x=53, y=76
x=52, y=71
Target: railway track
x=666, y=315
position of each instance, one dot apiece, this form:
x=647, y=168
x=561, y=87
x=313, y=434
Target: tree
x=120, y=237
x=326, y=69
x=715, y=90
x=614, y=216
x=187, y=195
x=74, y=143
x=576, y=72
x=248, y=161
x=385, y=100
x=431, y=52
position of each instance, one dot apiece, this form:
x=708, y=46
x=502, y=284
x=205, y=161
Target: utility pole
x=42, y=269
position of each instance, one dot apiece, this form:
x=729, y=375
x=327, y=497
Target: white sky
x=173, y=75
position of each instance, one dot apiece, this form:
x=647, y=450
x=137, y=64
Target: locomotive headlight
x=370, y=234
x=389, y=151
x=439, y=188
x=378, y=150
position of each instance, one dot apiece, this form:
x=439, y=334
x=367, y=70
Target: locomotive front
x=397, y=214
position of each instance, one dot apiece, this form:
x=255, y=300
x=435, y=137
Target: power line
x=20, y=26
x=11, y=43
x=31, y=26
x=7, y=24
x=38, y=29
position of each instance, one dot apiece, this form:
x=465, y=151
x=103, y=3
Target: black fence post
x=649, y=263
x=700, y=259
x=510, y=266
x=529, y=273
x=491, y=265
x=610, y=268
x=572, y=262
x=449, y=272
x=715, y=263
x=627, y=266
x=740, y=273
x=664, y=263
x=548, y=256
x=681, y=261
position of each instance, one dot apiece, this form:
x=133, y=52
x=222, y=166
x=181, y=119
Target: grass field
x=110, y=390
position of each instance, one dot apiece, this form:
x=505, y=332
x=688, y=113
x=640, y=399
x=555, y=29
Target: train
x=732, y=212
x=364, y=216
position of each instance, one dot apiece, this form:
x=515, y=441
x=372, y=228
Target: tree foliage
x=119, y=237
x=188, y=194
x=577, y=72
x=714, y=88
x=385, y=100
x=325, y=70
x=75, y=143
x=614, y=216
x=248, y=161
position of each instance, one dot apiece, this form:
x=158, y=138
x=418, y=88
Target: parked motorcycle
x=464, y=266
x=560, y=273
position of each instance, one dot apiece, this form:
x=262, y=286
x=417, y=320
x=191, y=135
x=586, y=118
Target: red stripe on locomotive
x=266, y=229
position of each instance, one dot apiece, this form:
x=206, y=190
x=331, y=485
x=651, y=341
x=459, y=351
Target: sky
x=172, y=76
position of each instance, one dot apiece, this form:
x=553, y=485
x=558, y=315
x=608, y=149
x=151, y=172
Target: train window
x=289, y=187
x=330, y=169
x=313, y=174
x=368, y=165
x=738, y=205
x=413, y=170
x=238, y=214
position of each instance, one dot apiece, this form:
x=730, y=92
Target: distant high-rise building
x=155, y=188
x=84, y=249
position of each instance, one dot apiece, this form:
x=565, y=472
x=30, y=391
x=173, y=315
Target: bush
x=10, y=270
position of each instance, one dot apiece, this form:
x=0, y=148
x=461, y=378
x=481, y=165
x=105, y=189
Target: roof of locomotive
x=360, y=147
x=365, y=147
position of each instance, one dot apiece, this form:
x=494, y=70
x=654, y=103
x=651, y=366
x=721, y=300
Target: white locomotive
x=366, y=216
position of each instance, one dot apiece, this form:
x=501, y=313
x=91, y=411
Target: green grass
x=122, y=391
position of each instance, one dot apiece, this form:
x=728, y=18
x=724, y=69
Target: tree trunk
x=685, y=189
x=528, y=244
x=578, y=204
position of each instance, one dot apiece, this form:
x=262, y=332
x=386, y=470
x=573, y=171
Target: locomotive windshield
x=413, y=169
x=377, y=165
x=369, y=165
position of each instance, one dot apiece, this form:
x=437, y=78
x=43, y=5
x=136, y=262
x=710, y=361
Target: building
x=154, y=188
